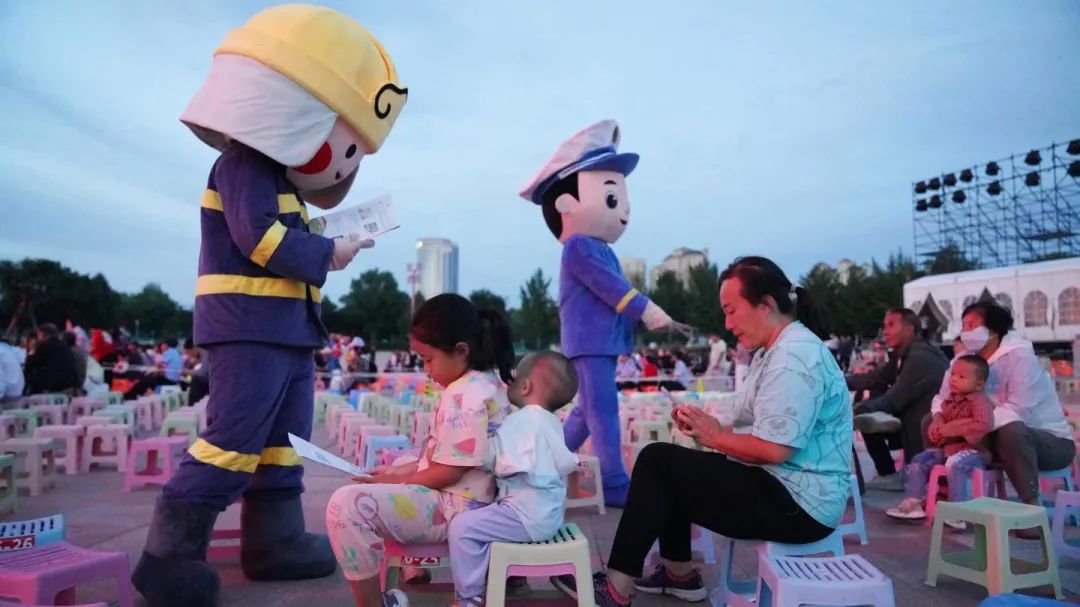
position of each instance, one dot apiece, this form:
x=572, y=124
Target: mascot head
x=308, y=87
x=582, y=188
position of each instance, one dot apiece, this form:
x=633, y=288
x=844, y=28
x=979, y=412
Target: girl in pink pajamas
x=470, y=353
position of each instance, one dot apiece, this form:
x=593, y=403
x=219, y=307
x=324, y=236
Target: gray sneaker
x=889, y=482
x=877, y=422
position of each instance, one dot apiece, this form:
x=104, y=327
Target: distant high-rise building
x=679, y=263
x=438, y=258
x=634, y=270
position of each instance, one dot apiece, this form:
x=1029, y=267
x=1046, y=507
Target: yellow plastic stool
x=991, y=565
x=566, y=553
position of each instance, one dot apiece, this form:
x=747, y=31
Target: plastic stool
x=642, y=432
x=114, y=398
x=349, y=426
x=49, y=575
x=181, y=424
x=9, y=493
x=359, y=448
x=424, y=556
x=163, y=450
x=144, y=414
x=847, y=580
x=107, y=444
x=421, y=427
x=374, y=443
x=122, y=414
x=38, y=532
x=1047, y=485
x=991, y=566
x=983, y=484
x=26, y=421
x=588, y=465
x=39, y=459
x=228, y=544
x=9, y=427
x=85, y=405
x=741, y=592
x=93, y=420
x=1064, y=501
x=51, y=414
x=858, y=525
x=565, y=554
x=72, y=437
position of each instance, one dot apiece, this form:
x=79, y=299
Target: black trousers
x=878, y=447
x=673, y=487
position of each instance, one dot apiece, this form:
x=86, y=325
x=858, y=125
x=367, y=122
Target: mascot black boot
x=173, y=571
x=274, y=545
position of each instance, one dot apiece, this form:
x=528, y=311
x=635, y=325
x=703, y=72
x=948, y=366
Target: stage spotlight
x=1074, y=169
x=934, y=184
x=992, y=168
x=1033, y=158
x=935, y=202
x=950, y=180
x=959, y=196
x=920, y=188
x=994, y=189
x=1032, y=179
x=966, y=176
x=1074, y=147
x=921, y=205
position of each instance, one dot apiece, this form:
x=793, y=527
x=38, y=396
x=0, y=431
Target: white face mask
x=975, y=339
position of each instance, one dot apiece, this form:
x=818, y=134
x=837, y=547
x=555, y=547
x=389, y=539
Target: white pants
x=471, y=534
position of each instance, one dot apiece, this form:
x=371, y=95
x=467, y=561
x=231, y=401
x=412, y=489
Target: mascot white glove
x=656, y=319
x=345, y=249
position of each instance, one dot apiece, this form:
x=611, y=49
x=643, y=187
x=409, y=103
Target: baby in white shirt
x=531, y=463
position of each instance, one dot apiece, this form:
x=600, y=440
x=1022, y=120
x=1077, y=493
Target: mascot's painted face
x=325, y=179
x=601, y=210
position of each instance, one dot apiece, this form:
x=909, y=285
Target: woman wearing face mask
x=1030, y=432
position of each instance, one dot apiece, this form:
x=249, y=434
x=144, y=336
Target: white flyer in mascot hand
x=309, y=451
x=368, y=220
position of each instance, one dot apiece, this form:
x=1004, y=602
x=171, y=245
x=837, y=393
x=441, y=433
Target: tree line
x=853, y=301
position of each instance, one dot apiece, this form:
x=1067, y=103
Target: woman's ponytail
x=808, y=313
x=496, y=344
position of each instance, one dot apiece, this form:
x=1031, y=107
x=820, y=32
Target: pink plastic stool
x=49, y=575
x=160, y=449
x=7, y=604
x=983, y=484
x=223, y=550
x=424, y=556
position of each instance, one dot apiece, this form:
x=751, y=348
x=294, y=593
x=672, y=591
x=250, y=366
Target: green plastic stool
x=991, y=562
x=58, y=399
x=186, y=424
x=29, y=416
x=9, y=494
x=117, y=417
x=120, y=414
x=115, y=398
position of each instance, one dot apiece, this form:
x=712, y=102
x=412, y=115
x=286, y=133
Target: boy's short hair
x=556, y=372
x=982, y=369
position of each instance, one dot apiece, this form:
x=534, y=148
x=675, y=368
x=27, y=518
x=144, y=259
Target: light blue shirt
x=795, y=395
x=173, y=364
x=530, y=460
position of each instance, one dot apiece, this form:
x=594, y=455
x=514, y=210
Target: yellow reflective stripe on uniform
x=220, y=458
x=287, y=203
x=217, y=284
x=211, y=200
x=279, y=456
x=268, y=243
x=625, y=301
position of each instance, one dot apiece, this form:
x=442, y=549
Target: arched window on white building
x=970, y=299
x=1036, y=306
x=946, y=308
x=1069, y=306
x=1004, y=300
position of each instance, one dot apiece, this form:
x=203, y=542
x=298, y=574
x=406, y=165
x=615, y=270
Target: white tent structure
x=1044, y=298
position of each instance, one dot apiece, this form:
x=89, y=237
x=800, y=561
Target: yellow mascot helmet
x=331, y=56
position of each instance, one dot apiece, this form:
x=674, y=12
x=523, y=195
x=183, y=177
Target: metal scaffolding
x=1011, y=211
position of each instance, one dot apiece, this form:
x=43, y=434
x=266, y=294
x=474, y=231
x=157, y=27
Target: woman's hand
x=696, y=423
x=381, y=475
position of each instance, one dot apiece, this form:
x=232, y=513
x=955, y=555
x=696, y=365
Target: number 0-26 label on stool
x=20, y=542
x=420, y=561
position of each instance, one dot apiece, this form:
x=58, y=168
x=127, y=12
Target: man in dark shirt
x=51, y=368
x=910, y=378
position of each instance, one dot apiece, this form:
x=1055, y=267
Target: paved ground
x=99, y=515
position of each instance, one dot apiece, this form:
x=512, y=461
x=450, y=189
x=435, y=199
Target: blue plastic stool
x=373, y=443
x=1019, y=600
x=17, y=535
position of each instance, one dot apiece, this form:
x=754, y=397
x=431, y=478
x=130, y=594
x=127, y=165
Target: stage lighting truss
x=1009, y=211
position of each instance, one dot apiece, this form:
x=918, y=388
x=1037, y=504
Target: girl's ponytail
x=496, y=343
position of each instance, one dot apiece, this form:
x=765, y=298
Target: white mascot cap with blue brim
x=594, y=148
